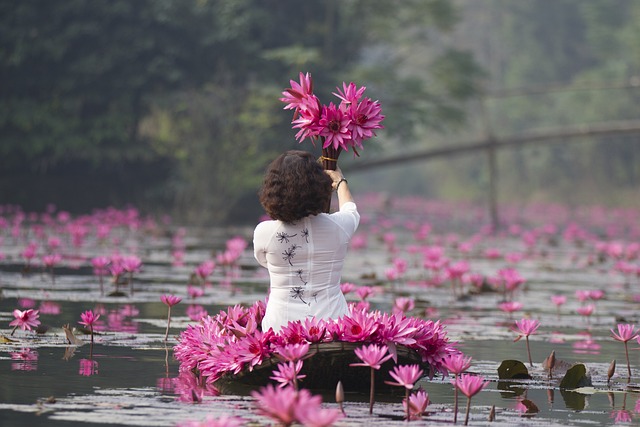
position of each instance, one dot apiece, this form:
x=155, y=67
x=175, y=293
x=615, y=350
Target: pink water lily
x=89, y=319
x=457, y=364
x=626, y=333
x=169, y=301
x=25, y=320
x=469, y=385
x=417, y=404
x=288, y=374
x=405, y=376
x=372, y=356
x=524, y=328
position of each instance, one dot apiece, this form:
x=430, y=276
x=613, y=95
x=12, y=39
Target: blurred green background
x=172, y=105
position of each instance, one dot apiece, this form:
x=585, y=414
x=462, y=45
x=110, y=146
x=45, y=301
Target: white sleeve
x=261, y=236
x=347, y=218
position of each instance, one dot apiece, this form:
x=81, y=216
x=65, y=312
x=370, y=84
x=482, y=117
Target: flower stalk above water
x=626, y=333
x=456, y=364
x=469, y=385
x=169, y=301
x=372, y=356
x=89, y=319
x=524, y=328
x=405, y=376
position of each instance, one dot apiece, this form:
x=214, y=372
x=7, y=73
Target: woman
x=303, y=248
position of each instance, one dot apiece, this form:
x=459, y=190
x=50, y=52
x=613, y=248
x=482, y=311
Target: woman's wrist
x=336, y=184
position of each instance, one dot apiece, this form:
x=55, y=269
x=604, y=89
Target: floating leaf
x=513, y=370
x=576, y=377
x=5, y=340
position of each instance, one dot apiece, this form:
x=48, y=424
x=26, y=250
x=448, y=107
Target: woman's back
x=305, y=261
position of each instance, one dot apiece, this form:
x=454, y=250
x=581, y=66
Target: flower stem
x=455, y=400
x=406, y=394
x=371, y=391
x=14, y=329
x=626, y=351
x=466, y=418
x=166, y=334
x=529, y=350
x=91, y=331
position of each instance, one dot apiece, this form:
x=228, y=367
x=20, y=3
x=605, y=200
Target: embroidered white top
x=305, y=261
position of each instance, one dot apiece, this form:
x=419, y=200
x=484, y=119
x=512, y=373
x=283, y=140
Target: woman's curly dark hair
x=295, y=186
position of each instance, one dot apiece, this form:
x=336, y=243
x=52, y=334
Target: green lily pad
x=576, y=377
x=513, y=370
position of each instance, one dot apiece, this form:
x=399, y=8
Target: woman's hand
x=335, y=175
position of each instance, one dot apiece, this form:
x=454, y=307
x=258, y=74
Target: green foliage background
x=172, y=105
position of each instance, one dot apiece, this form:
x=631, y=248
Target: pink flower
x=196, y=312
x=308, y=411
x=405, y=375
x=205, y=269
x=365, y=116
x=334, y=126
x=470, y=385
x=372, y=356
x=277, y=403
x=292, y=352
x=526, y=327
x=25, y=320
x=288, y=373
x=586, y=311
x=218, y=421
x=89, y=318
x=558, y=300
x=625, y=332
x=314, y=329
x=510, y=306
x=194, y=291
x=418, y=403
x=50, y=261
x=457, y=363
x=296, y=96
x=403, y=305
x=131, y=263
x=170, y=300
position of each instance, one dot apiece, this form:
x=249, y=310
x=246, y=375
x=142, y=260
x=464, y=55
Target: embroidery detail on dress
x=284, y=237
x=289, y=253
x=298, y=293
x=305, y=234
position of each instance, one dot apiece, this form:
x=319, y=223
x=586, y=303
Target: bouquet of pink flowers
x=339, y=127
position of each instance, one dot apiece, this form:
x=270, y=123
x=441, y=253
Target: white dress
x=305, y=261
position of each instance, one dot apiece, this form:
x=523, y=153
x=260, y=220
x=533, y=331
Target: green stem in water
x=455, y=400
x=466, y=418
x=372, y=391
x=626, y=351
x=529, y=350
x=166, y=334
x=406, y=394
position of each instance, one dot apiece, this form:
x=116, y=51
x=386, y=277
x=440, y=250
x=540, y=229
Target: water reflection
x=26, y=360
x=88, y=367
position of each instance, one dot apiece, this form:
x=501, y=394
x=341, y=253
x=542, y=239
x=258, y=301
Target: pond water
x=128, y=376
